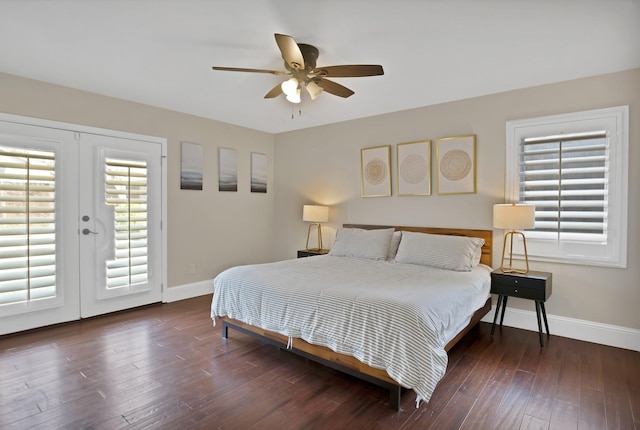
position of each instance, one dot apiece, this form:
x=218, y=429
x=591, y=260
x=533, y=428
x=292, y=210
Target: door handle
x=86, y=231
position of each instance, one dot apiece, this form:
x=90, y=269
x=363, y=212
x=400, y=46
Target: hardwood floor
x=165, y=366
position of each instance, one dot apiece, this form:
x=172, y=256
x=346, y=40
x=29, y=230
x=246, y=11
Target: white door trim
x=18, y=119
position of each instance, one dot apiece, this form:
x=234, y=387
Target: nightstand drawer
x=533, y=285
x=310, y=253
x=518, y=291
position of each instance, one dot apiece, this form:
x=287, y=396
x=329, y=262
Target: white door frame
x=17, y=119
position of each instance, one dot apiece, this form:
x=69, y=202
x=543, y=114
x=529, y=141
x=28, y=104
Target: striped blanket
x=392, y=316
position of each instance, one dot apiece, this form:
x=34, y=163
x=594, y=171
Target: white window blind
x=27, y=225
x=126, y=190
x=565, y=177
x=574, y=169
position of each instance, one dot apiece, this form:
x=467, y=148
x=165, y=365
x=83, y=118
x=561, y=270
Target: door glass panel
x=27, y=226
x=126, y=192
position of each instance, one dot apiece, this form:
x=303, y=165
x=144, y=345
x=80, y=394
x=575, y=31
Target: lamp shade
x=514, y=216
x=315, y=213
x=314, y=90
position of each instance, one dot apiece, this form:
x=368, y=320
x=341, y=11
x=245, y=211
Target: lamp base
x=319, y=248
x=510, y=268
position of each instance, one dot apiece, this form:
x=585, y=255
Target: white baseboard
x=589, y=331
x=187, y=291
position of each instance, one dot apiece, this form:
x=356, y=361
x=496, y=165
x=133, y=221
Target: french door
x=80, y=222
x=119, y=231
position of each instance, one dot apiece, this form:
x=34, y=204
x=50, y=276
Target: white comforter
x=392, y=316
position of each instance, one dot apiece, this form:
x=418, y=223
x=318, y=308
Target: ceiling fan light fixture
x=295, y=97
x=290, y=87
x=313, y=89
x=300, y=64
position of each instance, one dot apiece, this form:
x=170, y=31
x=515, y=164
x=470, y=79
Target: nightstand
x=531, y=285
x=311, y=252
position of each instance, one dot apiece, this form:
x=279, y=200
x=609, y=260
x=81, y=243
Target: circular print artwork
x=375, y=172
x=455, y=165
x=413, y=169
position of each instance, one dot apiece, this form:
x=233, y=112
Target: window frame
x=615, y=121
x=57, y=298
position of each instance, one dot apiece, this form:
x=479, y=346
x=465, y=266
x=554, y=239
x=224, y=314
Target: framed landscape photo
x=190, y=166
x=375, y=172
x=258, y=172
x=456, y=164
x=413, y=168
x=227, y=169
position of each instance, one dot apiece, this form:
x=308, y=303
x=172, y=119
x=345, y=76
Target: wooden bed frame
x=351, y=365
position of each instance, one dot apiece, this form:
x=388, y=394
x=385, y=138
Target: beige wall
x=217, y=230
x=207, y=228
x=322, y=165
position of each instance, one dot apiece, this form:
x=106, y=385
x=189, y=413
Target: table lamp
x=514, y=217
x=315, y=215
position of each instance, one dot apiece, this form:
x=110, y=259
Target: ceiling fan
x=300, y=63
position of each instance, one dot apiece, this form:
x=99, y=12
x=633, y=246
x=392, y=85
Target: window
x=27, y=226
x=126, y=191
x=574, y=169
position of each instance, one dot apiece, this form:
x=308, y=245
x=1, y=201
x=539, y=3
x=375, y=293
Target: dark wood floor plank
x=514, y=401
x=592, y=410
x=482, y=414
x=457, y=410
x=568, y=387
x=541, y=398
x=533, y=423
x=510, y=360
x=632, y=362
x=616, y=396
x=564, y=416
x=488, y=359
x=590, y=367
x=166, y=366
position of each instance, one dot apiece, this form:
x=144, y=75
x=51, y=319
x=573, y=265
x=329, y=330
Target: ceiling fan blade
x=275, y=92
x=334, y=88
x=237, y=69
x=290, y=51
x=351, y=70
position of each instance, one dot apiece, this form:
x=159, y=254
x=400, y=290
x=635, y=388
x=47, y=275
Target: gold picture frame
x=413, y=168
x=375, y=171
x=456, y=164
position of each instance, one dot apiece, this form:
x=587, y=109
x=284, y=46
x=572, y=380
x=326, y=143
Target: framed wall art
x=190, y=166
x=227, y=169
x=456, y=164
x=413, y=168
x=375, y=171
x=258, y=172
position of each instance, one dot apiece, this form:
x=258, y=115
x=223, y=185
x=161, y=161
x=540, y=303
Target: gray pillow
x=442, y=251
x=361, y=243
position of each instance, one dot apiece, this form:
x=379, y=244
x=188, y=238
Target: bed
x=385, y=305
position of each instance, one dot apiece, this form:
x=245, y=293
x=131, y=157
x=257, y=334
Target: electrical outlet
x=192, y=268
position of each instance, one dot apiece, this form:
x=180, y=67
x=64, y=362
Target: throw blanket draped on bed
x=391, y=316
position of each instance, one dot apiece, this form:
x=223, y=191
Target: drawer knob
x=515, y=291
x=515, y=282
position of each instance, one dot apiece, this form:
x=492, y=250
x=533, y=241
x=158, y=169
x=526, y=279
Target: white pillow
x=360, y=243
x=445, y=252
x=393, y=245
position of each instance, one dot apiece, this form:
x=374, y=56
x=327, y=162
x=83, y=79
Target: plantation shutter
x=566, y=178
x=27, y=225
x=126, y=191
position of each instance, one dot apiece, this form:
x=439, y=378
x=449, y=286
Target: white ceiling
x=160, y=52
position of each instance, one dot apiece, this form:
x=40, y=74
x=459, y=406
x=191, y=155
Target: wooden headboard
x=487, y=235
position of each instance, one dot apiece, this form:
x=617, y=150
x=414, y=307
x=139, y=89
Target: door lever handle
x=86, y=231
